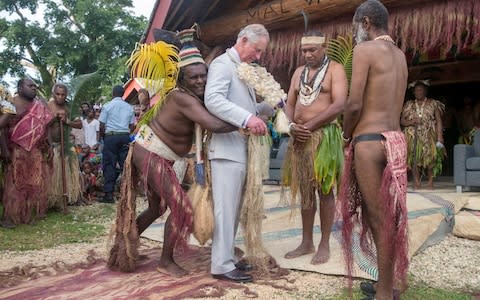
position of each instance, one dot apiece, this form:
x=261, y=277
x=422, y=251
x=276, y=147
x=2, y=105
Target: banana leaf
x=329, y=159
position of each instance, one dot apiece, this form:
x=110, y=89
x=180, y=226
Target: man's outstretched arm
x=196, y=112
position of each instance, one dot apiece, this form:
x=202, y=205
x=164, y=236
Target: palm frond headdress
x=157, y=64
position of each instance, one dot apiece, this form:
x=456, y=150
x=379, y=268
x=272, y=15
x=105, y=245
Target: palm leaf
x=75, y=86
x=340, y=50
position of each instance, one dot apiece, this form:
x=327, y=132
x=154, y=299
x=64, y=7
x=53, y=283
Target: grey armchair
x=466, y=163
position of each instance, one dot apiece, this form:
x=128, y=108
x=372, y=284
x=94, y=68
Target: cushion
x=473, y=163
x=467, y=225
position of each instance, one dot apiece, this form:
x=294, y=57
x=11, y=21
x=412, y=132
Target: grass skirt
x=25, y=195
x=124, y=252
x=73, y=179
x=317, y=164
x=252, y=213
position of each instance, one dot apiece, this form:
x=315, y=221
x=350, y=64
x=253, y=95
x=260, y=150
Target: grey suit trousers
x=228, y=178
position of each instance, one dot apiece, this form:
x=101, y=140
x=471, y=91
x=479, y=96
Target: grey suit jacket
x=230, y=99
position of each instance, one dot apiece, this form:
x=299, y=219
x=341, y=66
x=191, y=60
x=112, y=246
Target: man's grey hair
x=253, y=33
x=59, y=85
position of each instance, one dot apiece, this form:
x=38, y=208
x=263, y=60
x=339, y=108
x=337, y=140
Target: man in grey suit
x=230, y=99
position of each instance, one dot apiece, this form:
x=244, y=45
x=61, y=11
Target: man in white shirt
x=91, y=129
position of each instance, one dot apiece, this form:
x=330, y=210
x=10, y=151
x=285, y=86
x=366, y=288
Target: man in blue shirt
x=116, y=123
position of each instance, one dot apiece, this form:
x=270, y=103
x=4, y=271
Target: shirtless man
x=375, y=175
x=60, y=111
x=317, y=95
x=172, y=129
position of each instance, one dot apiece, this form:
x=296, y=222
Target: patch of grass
x=416, y=291
x=81, y=224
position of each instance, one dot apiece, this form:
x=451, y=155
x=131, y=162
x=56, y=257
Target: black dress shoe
x=244, y=266
x=367, y=288
x=235, y=275
x=108, y=198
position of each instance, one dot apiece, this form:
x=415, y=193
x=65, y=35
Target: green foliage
x=81, y=224
x=328, y=171
x=76, y=37
x=438, y=165
x=340, y=50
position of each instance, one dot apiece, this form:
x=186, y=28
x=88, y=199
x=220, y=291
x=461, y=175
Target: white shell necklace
x=308, y=92
x=419, y=110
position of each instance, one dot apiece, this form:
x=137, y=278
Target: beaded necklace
x=419, y=110
x=309, y=90
x=385, y=37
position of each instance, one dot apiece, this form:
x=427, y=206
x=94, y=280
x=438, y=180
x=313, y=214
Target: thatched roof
x=439, y=28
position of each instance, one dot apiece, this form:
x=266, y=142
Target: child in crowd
x=89, y=182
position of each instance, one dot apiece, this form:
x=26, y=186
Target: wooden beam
x=209, y=10
x=283, y=13
x=158, y=19
x=245, y=4
x=446, y=73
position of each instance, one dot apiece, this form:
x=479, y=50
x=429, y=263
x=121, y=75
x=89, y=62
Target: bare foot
x=172, y=269
x=303, y=249
x=322, y=255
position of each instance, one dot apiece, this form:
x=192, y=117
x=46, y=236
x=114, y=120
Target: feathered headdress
x=157, y=63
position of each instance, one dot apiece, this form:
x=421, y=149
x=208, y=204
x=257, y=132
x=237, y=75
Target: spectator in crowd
x=84, y=108
x=79, y=133
x=116, y=122
x=91, y=129
x=422, y=122
x=144, y=101
x=89, y=182
x=65, y=166
x=25, y=196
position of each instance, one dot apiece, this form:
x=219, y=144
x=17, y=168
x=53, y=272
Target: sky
x=143, y=7
x=140, y=7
